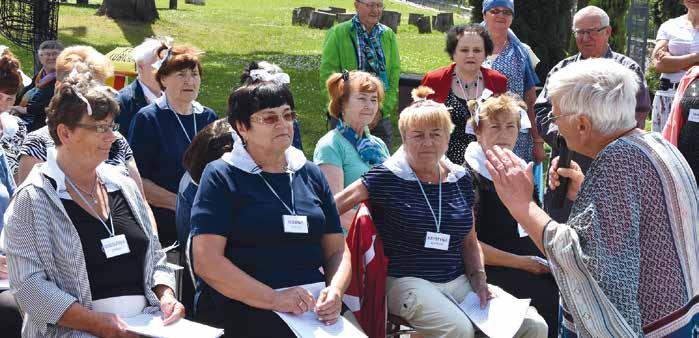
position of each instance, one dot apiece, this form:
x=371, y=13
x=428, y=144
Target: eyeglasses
x=99, y=128
x=505, y=12
x=591, y=32
x=554, y=118
x=49, y=54
x=372, y=5
x=272, y=118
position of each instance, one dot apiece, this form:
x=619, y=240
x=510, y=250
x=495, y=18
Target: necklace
x=90, y=193
x=466, y=86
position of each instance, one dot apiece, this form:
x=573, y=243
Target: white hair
x=601, y=89
x=145, y=52
x=592, y=11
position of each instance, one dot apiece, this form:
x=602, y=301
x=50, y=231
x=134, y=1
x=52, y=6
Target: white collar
x=398, y=165
x=163, y=103
x=150, y=96
x=241, y=159
x=476, y=159
x=105, y=173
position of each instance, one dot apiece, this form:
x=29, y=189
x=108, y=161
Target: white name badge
x=115, y=246
x=693, y=115
x=436, y=240
x=295, y=224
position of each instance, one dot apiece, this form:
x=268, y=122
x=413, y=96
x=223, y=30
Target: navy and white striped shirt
x=403, y=218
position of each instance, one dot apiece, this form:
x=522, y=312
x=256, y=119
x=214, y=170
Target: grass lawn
x=235, y=32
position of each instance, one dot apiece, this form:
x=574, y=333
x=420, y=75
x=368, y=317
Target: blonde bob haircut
x=340, y=85
x=424, y=113
x=97, y=64
x=503, y=108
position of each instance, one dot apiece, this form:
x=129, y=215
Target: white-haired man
x=145, y=89
x=626, y=259
x=592, y=31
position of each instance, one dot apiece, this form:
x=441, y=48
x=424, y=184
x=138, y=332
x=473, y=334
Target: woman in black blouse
x=512, y=261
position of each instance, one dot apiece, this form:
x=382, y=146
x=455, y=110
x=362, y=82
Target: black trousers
x=240, y=320
x=10, y=318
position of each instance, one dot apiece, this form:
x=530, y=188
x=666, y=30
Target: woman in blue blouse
x=422, y=206
x=161, y=132
x=264, y=218
x=513, y=58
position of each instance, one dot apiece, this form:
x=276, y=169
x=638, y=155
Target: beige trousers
x=424, y=305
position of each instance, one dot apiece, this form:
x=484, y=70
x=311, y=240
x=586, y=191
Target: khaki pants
x=424, y=305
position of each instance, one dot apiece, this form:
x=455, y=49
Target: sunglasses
x=99, y=128
x=272, y=118
x=505, y=12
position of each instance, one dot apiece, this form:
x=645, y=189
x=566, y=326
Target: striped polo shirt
x=403, y=218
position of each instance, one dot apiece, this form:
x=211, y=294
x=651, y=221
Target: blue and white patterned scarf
x=370, y=151
x=370, y=56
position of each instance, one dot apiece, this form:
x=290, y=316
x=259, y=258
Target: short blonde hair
x=424, y=113
x=98, y=65
x=499, y=108
x=339, y=89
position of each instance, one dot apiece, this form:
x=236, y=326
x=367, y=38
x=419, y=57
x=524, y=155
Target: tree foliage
x=542, y=24
x=663, y=10
x=616, y=9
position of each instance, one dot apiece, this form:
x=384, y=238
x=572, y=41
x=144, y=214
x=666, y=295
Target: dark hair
x=51, y=44
x=67, y=107
x=10, y=77
x=208, y=145
x=245, y=78
x=456, y=32
x=178, y=58
x=249, y=99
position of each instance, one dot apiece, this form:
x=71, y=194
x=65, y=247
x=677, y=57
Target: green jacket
x=339, y=53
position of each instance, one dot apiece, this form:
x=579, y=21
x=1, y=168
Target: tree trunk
x=301, y=15
x=342, y=17
x=424, y=26
x=81, y=2
x=412, y=18
x=444, y=21
x=338, y=10
x=138, y=10
x=173, y=4
x=391, y=19
x=321, y=20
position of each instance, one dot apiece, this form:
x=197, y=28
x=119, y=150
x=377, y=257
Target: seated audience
x=264, y=219
x=422, y=206
x=512, y=261
x=14, y=129
x=93, y=258
x=37, y=95
x=348, y=151
x=161, y=132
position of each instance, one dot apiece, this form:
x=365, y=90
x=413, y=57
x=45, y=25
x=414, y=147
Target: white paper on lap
x=152, y=326
x=307, y=324
x=501, y=318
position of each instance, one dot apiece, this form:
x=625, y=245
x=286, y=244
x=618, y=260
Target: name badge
x=295, y=224
x=436, y=240
x=115, y=246
x=693, y=115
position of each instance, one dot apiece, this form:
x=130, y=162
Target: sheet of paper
x=501, y=318
x=4, y=284
x=152, y=326
x=307, y=324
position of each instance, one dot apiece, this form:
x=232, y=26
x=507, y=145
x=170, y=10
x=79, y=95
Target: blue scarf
x=370, y=56
x=370, y=151
x=521, y=53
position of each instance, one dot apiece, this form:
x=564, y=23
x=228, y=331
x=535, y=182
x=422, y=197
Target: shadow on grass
x=76, y=5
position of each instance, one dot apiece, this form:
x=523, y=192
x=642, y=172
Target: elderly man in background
x=363, y=43
x=592, y=31
x=36, y=97
x=145, y=89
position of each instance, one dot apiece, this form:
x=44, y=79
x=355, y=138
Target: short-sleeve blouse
x=682, y=39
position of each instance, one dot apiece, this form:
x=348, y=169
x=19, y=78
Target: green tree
x=542, y=24
x=616, y=9
x=663, y=10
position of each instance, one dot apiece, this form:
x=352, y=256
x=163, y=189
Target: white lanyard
x=109, y=215
x=479, y=83
x=194, y=118
x=292, y=210
x=437, y=222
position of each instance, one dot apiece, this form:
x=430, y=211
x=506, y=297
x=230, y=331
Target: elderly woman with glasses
x=263, y=223
x=626, y=260
x=161, y=132
x=517, y=62
x=422, y=206
x=37, y=95
x=81, y=252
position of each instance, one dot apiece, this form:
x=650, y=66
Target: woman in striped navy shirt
x=422, y=206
